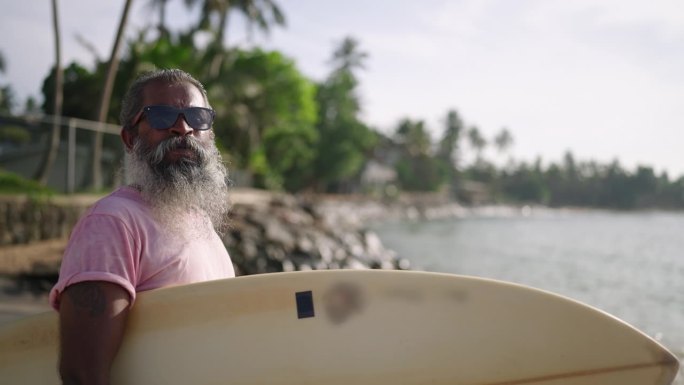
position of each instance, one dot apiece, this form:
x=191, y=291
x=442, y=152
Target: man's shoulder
x=124, y=201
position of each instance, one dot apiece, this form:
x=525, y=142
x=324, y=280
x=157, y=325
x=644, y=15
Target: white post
x=71, y=158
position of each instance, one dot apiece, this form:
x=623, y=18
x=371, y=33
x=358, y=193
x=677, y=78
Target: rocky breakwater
x=33, y=235
x=25, y=220
x=268, y=233
x=273, y=233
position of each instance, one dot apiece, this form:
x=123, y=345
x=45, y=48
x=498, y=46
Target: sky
x=603, y=79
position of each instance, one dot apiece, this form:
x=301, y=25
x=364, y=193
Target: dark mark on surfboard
x=342, y=300
x=305, y=305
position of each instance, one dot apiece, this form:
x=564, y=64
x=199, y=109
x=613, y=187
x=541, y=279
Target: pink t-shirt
x=118, y=241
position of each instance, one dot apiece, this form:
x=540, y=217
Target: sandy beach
x=16, y=302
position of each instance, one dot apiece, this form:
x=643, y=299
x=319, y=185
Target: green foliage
x=82, y=89
x=585, y=184
x=414, y=137
x=422, y=173
x=524, y=184
x=290, y=154
x=417, y=169
x=477, y=142
x=261, y=99
x=177, y=51
x=449, y=144
x=503, y=140
x=83, y=86
x=341, y=152
x=266, y=117
x=347, y=57
x=11, y=183
x=7, y=100
x=344, y=138
x=482, y=171
x=14, y=134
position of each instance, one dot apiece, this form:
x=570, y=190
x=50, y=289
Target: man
x=158, y=231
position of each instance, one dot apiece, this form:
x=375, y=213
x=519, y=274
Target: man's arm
x=92, y=320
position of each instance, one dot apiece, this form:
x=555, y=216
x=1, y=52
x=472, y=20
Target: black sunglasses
x=164, y=117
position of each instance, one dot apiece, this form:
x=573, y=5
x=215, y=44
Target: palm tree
x=414, y=136
x=448, y=146
x=6, y=100
x=344, y=137
x=477, y=142
x=503, y=140
x=448, y=150
x=112, y=66
x=49, y=158
x=348, y=56
x=262, y=13
x=337, y=95
x=160, y=5
x=5, y=92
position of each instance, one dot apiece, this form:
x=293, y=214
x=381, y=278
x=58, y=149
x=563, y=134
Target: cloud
x=664, y=16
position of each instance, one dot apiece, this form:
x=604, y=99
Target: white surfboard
x=357, y=327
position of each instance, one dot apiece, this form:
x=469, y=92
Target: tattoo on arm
x=88, y=297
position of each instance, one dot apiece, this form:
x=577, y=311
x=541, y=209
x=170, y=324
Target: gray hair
x=133, y=101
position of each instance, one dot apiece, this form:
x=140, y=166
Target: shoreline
x=270, y=232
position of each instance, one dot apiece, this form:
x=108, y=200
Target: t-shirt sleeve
x=101, y=248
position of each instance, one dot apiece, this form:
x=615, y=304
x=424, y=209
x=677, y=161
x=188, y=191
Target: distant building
x=376, y=174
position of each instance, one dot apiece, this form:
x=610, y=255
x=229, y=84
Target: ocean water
x=629, y=264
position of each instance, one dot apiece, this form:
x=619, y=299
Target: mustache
x=156, y=156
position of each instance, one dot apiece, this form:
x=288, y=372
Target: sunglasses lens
x=199, y=118
x=163, y=117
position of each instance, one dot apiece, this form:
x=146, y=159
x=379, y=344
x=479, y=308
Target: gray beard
x=183, y=188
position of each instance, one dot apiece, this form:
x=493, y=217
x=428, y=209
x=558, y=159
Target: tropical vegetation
x=289, y=132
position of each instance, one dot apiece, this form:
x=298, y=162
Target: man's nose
x=180, y=127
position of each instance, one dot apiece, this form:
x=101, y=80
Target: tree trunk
x=51, y=154
x=218, y=50
x=163, y=31
x=106, y=96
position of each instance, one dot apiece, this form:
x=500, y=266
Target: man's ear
x=128, y=138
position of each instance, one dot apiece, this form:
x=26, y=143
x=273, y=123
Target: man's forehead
x=165, y=92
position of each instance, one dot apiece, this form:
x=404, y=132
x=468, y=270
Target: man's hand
x=92, y=320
